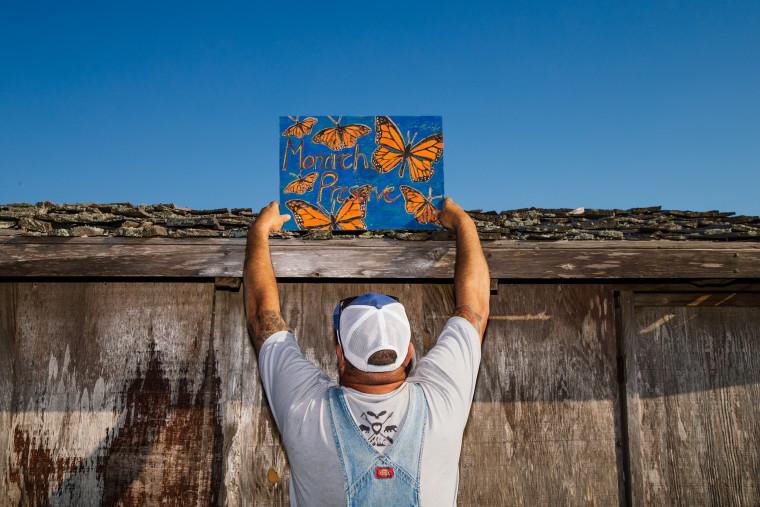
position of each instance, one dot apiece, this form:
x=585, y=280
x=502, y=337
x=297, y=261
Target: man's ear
x=409, y=355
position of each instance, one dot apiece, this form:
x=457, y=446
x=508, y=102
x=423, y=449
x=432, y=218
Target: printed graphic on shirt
x=378, y=430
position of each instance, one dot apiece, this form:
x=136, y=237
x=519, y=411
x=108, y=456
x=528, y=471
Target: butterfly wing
x=423, y=155
x=308, y=216
x=390, y=145
x=337, y=138
x=350, y=216
x=329, y=137
x=302, y=185
x=416, y=204
x=300, y=128
x=351, y=133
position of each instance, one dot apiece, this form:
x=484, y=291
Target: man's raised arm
x=471, y=279
x=262, y=300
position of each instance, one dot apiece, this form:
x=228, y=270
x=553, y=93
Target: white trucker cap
x=370, y=323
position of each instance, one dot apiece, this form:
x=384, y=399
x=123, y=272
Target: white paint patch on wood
x=659, y=322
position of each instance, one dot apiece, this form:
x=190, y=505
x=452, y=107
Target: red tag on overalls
x=384, y=472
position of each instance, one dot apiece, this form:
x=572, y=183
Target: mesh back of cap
x=367, y=329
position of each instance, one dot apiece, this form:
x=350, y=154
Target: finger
x=284, y=218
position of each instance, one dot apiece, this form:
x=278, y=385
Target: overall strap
x=360, y=461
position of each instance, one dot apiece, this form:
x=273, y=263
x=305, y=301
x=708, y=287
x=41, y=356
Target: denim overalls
x=371, y=478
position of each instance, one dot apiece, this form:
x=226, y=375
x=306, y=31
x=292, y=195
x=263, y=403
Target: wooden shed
x=621, y=363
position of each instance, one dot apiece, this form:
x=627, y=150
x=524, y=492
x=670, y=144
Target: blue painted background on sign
x=328, y=179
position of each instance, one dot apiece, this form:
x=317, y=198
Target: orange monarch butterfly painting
x=301, y=185
x=350, y=215
x=300, y=128
x=339, y=136
x=392, y=151
x=345, y=173
x=415, y=203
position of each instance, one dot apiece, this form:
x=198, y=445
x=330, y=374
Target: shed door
x=693, y=397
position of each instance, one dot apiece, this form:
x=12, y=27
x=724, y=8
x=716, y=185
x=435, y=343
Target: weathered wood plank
x=381, y=258
x=256, y=466
x=544, y=428
x=693, y=394
x=115, y=394
x=7, y=374
x=233, y=361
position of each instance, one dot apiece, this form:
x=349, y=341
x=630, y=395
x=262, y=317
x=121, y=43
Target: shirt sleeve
x=290, y=380
x=449, y=371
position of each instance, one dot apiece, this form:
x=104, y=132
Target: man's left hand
x=269, y=219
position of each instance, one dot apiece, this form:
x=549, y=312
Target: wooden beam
x=376, y=258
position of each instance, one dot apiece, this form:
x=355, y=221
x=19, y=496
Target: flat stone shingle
x=168, y=220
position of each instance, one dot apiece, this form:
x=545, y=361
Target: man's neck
x=371, y=389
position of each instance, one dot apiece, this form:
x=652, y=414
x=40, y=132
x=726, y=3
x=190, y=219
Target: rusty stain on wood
x=103, y=410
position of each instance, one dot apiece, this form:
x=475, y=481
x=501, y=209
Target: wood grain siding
x=115, y=394
x=693, y=394
x=543, y=429
x=147, y=392
x=256, y=469
x=377, y=258
x=7, y=376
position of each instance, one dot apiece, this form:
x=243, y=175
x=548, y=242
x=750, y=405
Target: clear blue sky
x=605, y=104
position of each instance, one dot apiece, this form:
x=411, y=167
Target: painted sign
x=361, y=172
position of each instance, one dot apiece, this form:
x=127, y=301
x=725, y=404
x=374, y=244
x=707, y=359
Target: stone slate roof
x=168, y=220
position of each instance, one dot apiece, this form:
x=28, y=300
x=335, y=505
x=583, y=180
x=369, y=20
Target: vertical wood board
x=544, y=428
x=115, y=394
x=693, y=394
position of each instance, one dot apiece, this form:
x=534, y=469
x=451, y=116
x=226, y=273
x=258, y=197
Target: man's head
x=373, y=332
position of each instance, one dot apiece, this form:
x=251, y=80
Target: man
x=378, y=438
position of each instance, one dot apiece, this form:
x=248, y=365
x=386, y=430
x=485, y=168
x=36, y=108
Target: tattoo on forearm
x=466, y=312
x=269, y=322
